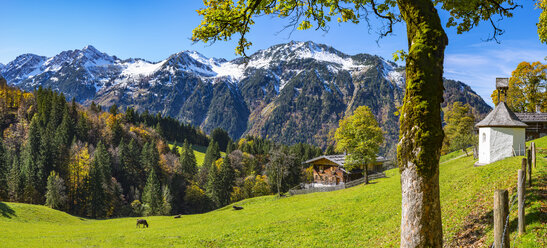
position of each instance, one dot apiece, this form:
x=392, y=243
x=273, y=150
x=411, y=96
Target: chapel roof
x=501, y=116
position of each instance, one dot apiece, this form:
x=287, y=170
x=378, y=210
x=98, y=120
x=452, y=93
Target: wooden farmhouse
x=537, y=124
x=329, y=169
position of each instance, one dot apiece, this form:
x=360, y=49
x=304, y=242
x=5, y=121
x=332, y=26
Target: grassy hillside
x=363, y=216
x=199, y=152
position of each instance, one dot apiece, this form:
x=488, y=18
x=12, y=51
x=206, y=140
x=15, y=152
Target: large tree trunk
x=421, y=132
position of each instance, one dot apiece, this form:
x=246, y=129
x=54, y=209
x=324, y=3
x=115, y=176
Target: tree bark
x=421, y=132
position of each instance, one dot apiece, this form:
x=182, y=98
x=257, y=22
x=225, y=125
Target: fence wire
x=506, y=226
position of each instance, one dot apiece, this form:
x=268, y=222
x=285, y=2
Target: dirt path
x=463, y=155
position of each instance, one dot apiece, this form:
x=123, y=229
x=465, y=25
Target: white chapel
x=501, y=133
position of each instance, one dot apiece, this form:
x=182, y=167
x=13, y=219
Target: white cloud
x=478, y=66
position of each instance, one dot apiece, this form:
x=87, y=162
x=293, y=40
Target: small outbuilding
x=501, y=132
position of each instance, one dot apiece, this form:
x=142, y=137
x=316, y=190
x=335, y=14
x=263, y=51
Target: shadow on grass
x=6, y=211
x=474, y=230
x=537, y=193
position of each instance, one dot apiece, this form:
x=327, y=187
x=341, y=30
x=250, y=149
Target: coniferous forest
x=96, y=163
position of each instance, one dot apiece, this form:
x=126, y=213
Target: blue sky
x=153, y=30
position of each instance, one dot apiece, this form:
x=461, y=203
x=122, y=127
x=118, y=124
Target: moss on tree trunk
x=421, y=132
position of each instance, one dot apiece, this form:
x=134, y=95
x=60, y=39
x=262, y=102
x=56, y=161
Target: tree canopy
x=527, y=88
x=222, y=19
x=459, y=127
x=360, y=136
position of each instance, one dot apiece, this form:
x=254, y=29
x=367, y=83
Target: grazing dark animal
x=237, y=208
x=177, y=216
x=142, y=222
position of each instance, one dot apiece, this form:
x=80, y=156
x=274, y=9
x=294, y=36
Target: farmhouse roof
x=501, y=116
x=532, y=117
x=339, y=159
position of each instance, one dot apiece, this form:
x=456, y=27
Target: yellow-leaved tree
x=459, y=128
x=78, y=173
x=360, y=136
x=527, y=88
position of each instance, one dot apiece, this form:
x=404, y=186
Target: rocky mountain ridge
x=293, y=92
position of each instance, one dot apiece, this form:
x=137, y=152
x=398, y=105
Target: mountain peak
x=91, y=51
x=90, y=48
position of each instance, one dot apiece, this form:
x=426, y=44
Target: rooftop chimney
x=502, y=85
x=538, y=108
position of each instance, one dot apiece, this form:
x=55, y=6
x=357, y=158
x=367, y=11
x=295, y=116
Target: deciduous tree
x=166, y=200
x=78, y=172
x=459, y=127
x=527, y=88
x=360, y=136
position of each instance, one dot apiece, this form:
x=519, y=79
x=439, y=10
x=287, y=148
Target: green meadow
x=362, y=216
x=199, y=152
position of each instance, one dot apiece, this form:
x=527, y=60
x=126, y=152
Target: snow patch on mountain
x=104, y=72
x=228, y=69
x=140, y=68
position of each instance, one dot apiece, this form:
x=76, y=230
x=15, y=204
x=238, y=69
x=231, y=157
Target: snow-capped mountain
x=293, y=92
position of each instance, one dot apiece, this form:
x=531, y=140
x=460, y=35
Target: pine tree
x=97, y=203
x=230, y=147
x=152, y=195
x=3, y=173
x=82, y=127
x=31, y=168
x=47, y=157
x=100, y=180
x=121, y=170
x=61, y=141
x=134, y=165
x=15, y=180
x=211, y=155
x=183, y=176
x=330, y=150
x=115, y=129
x=104, y=161
x=212, y=184
x=113, y=109
x=221, y=137
x=188, y=161
x=150, y=157
x=226, y=175
x=55, y=196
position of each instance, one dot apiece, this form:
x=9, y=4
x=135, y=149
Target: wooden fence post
x=533, y=145
x=529, y=167
x=501, y=211
x=523, y=167
x=521, y=193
